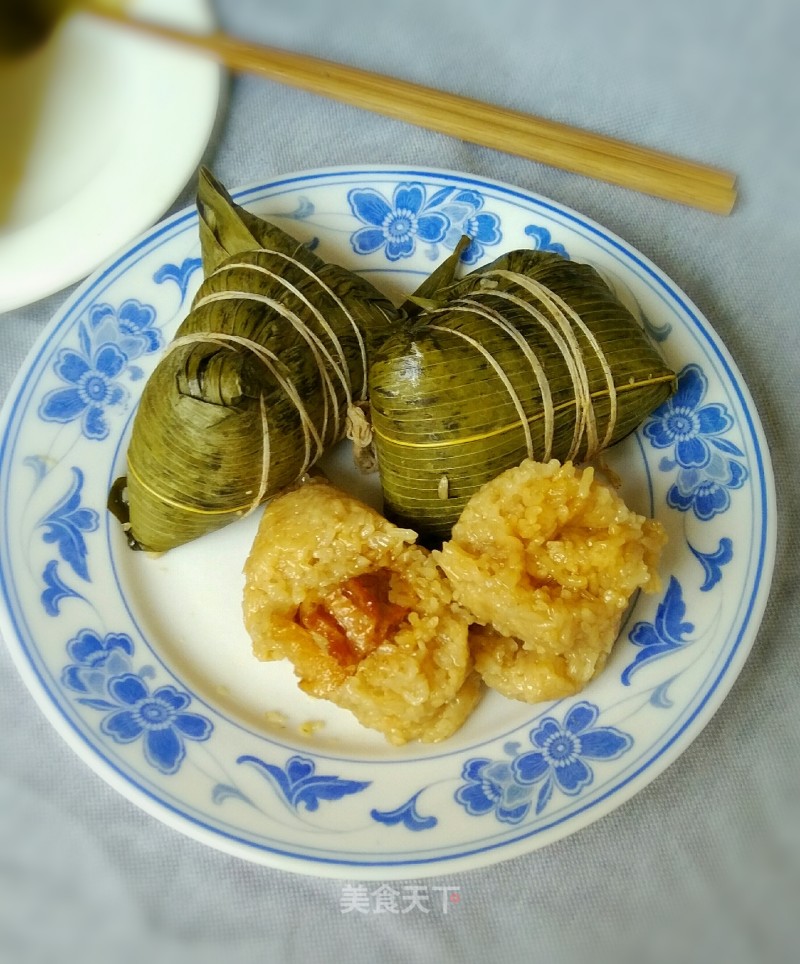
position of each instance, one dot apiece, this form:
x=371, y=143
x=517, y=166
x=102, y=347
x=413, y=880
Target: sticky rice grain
x=419, y=682
x=546, y=558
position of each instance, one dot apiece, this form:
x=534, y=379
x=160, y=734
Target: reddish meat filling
x=355, y=618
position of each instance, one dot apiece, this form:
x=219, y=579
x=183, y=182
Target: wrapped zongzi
x=263, y=375
x=531, y=356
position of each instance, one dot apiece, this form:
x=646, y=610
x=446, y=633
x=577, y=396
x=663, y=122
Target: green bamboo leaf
x=530, y=356
x=427, y=295
x=256, y=385
x=226, y=228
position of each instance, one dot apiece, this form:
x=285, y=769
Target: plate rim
x=621, y=792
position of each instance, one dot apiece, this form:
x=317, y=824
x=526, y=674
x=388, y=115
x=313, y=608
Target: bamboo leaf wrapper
x=530, y=356
x=258, y=382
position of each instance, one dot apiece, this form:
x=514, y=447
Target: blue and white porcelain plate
x=143, y=663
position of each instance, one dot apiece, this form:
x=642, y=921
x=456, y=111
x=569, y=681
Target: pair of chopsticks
x=548, y=142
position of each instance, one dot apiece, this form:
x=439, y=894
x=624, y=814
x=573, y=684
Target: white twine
x=493, y=316
x=340, y=304
x=318, y=350
x=269, y=359
x=561, y=331
x=515, y=399
x=563, y=312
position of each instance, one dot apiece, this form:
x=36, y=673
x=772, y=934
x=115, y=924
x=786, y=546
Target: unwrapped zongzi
x=546, y=558
x=364, y=615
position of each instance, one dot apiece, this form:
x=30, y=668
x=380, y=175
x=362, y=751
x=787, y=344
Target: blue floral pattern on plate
x=67, y=524
x=101, y=673
x=92, y=379
x=55, y=589
x=709, y=466
x=664, y=635
x=159, y=719
x=299, y=784
x=131, y=328
x=395, y=225
x=712, y=562
x=558, y=761
x=542, y=240
x=95, y=661
x=406, y=814
x=181, y=274
x=164, y=694
x=93, y=371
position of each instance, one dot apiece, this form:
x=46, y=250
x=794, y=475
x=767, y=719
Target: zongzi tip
x=263, y=376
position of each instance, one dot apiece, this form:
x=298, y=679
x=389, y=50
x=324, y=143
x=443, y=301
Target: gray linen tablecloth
x=704, y=863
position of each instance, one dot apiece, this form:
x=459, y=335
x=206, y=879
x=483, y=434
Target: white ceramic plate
x=90, y=166
x=144, y=666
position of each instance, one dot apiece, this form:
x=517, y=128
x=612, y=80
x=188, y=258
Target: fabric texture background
x=703, y=864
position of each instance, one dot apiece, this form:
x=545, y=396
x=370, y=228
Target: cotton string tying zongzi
x=267, y=371
x=532, y=356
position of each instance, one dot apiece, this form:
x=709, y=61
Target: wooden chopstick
x=515, y=133
x=548, y=142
